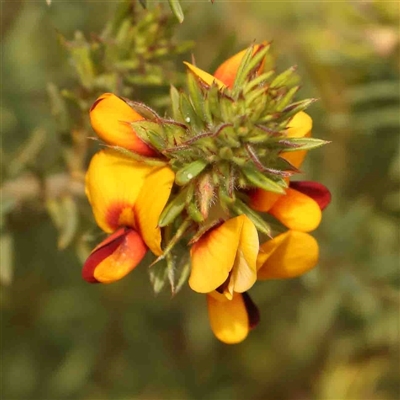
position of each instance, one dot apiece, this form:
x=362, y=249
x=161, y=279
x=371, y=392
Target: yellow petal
x=244, y=273
x=299, y=126
x=213, y=256
x=228, y=319
x=122, y=260
x=227, y=71
x=152, y=199
x=110, y=117
x=113, y=183
x=297, y=211
x=204, y=76
x=287, y=255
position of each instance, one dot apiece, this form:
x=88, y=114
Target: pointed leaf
x=258, y=179
x=177, y=9
x=158, y=275
x=241, y=208
x=283, y=78
x=296, y=144
x=173, y=209
x=186, y=174
x=174, y=94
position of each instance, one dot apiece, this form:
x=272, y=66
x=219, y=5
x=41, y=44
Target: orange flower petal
x=110, y=117
x=233, y=246
x=287, y=255
x=227, y=71
x=113, y=183
x=297, y=211
x=228, y=319
x=152, y=199
x=262, y=200
x=115, y=257
x=299, y=126
x=213, y=256
x=204, y=76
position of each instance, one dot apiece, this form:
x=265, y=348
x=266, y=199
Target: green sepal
x=189, y=114
x=212, y=103
x=174, y=132
x=295, y=108
x=173, y=208
x=176, y=10
x=197, y=98
x=174, y=94
x=296, y=144
x=256, y=93
x=241, y=73
x=258, y=81
x=150, y=132
x=194, y=213
x=258, y=179
x=241, y=208
x=155, y=162
x=158, y=275
x=184, y=274
x=173, y=241
x=225, y=106
x=144, y=110
x=287, y=98
x=249, y=62
x=187, y=173
x=283, y=78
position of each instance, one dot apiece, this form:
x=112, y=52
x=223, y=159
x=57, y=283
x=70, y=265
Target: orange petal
x=244, y=272
x=227, y=71
x=287, y=255
x=262, y=200
x=297, y=211
x=231, y=246
x=115, y=257
x=228, y=319
x=213, y=256
x=113, y=183
x=204, y=76
x=152, y=199
x=110, y=117
x=299, y=126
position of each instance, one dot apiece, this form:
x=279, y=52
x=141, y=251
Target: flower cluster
x=208, y=192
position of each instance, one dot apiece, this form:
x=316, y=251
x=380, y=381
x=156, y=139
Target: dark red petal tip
x=315, y=190
x=252, y=310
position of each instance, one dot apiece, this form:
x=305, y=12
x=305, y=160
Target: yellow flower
x=110, y=117
x=126, y=194
x=224, y=259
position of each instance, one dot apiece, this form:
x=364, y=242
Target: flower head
x=215, y=179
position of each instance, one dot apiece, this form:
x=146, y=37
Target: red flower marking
x=315, y=190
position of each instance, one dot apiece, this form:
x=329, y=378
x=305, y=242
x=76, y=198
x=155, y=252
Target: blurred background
x=331, y=334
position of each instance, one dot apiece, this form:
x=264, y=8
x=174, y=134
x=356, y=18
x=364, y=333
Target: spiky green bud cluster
x=224, y=139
